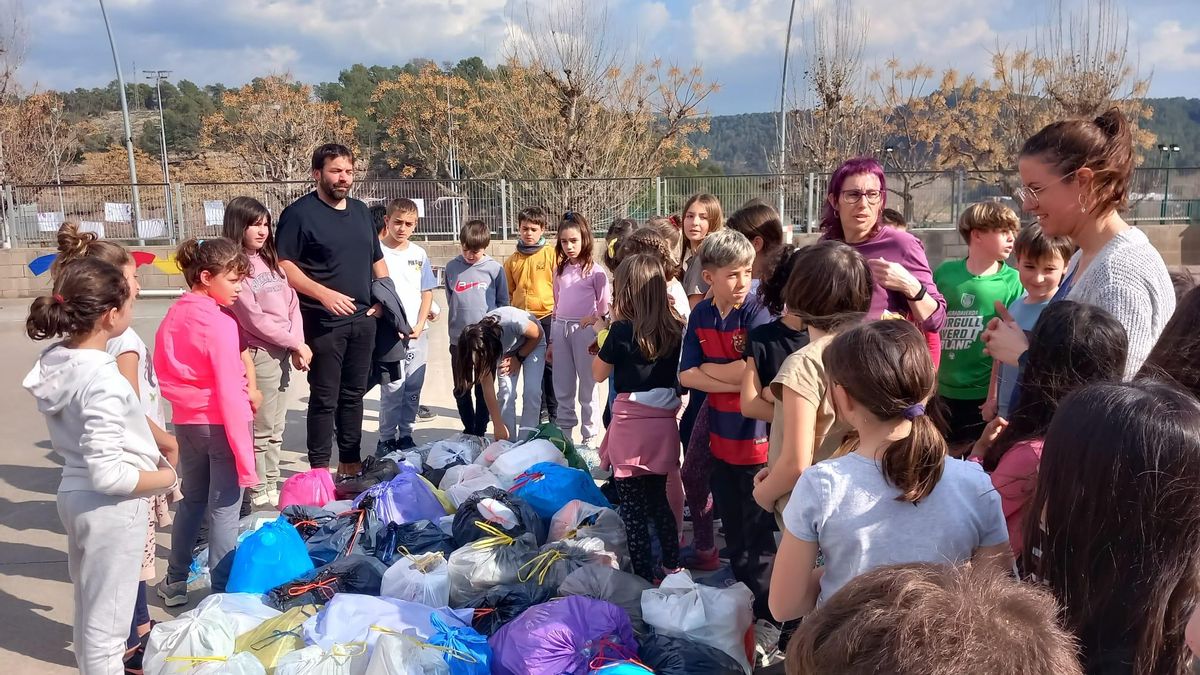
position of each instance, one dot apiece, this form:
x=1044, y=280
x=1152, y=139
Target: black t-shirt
x=770, y=344
x=334, y=247
x=631, y=371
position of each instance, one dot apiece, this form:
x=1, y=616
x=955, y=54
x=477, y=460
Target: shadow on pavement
x=28, y=633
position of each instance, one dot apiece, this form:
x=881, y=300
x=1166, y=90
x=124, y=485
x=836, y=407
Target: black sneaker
x=386, y=447
x=425, y=413
x=406, y=443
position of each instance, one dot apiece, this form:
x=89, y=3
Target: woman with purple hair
x=900, y=270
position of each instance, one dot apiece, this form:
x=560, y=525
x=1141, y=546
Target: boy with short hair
x=895, y=219
x=972, y=286
x=412, y=273
x=1041, y=263
x=712, y=360
x=530, y=273
x=475, y=285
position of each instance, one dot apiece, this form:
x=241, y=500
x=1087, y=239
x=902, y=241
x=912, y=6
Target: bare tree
x=13, y=35
x=835, y=119
x=1086, y=51
x=911, y=132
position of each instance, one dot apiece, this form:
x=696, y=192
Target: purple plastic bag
x=404, y=499
x=561, y=637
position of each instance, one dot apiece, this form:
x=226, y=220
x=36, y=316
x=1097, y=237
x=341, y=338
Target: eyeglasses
x=1027, y=194
x=854, y=196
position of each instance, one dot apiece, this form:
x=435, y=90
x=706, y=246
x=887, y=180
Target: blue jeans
x=531, y=394
x=208, y=477
x=398, y=402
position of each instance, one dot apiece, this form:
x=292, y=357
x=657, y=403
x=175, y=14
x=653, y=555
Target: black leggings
x=141, y=616
x=644, y=498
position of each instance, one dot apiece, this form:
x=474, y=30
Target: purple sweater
x=901, y=247
x=268, y=309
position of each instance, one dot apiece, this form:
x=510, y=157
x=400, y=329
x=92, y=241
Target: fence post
x=658, y=196
x=179, y=221
x=6, y=213
x=808, y=215
x=503, y=209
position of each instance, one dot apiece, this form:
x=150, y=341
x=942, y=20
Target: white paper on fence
x=492, y=452
x=420, y=206
x=242, y=663
x=50, y=221
x=341, y=659
x=93, y=226
x=519, y=458
x=195, y=633
x=461, y=492
x=243, y=611
x=152, y=228
x=405, y=580
x=350, y=617
x=118, y=212
x=214, y=212
x=717, y=617
x=398, y=655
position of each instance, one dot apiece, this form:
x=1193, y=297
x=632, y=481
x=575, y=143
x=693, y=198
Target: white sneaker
x=260, y=499
x=273, y=496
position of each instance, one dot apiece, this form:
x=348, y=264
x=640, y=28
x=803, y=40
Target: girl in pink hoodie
x=269, y=313
x=198, y=358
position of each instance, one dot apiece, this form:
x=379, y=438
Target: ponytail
x=1103, y=144
x=885, y=367
x=477, y=352
x=770, y=289
x=74, y=244
x=84, y=291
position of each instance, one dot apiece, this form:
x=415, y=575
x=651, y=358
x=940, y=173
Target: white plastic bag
x=520, y=457
x=399, y=655
x=579, y=520
x=423, y=579
x=717, y=617
x=452, y=451
x=339, y=659
x=463, y=481
x=243, y=611
x=197, y=633
x=350, y=617
x=492, y=452
x=409, y=457
x=239, y=664
x=464, y=472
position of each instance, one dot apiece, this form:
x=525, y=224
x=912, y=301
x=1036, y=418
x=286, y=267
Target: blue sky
x=739, y=43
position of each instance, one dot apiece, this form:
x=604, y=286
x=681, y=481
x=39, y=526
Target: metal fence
x=31, y=214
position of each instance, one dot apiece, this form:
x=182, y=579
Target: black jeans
x=474, y=413
x=549, y=402
x=337, y=382
x=747, y=527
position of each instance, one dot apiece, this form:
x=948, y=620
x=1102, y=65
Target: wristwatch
x=920, y=295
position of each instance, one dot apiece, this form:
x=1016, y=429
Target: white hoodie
x=96, y=421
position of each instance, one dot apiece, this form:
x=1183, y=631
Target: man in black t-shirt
x=329, y=250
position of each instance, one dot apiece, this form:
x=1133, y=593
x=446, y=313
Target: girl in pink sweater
x=198, y=358
x=1072, y=345
x=269, y=314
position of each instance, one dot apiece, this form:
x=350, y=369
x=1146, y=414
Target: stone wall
x=1178, y=244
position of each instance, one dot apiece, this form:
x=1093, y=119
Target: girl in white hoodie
x=111, y=461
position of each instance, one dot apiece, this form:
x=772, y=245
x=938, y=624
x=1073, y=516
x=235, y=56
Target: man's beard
x=333, y=190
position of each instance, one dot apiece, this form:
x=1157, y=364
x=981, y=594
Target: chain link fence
x=159, y=213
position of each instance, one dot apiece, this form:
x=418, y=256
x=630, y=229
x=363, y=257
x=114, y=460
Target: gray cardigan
x=1129, y=279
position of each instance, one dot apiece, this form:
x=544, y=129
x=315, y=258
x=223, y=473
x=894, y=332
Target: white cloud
x=1172, y=47
x=652, y=19
x=726, y=30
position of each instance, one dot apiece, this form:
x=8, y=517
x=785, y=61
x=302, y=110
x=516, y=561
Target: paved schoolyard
x=35, y=591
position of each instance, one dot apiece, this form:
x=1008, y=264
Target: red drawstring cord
x=326, y=586
x=525, y=479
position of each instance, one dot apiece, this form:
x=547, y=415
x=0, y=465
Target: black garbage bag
x=352, y=532
x=667, y=655
x=513, y=515
x=501, y=604
x=307, y=519
x=415, y=538
x=605, y=583
x=351, y=574
x=550, y=566
x=374, y=472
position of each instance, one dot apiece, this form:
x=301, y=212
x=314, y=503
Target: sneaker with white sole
x=260, y=500
x=173, y=595
x=273, y=496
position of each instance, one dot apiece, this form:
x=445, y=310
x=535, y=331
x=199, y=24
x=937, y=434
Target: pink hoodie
x=197, y=355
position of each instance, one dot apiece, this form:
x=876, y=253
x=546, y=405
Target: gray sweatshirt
x=472, y=291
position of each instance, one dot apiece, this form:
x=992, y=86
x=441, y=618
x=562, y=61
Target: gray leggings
x=208, y=477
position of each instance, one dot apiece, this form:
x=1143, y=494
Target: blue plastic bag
x=622, y=668
x=404, y=499
x=273, y=555
x=467, y=652
x=547, y=487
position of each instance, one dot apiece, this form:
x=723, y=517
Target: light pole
x=1168, y=150
x=451, y=154
x=158, y=76
x=54, y=151
x=787, y=47
x=133, y=182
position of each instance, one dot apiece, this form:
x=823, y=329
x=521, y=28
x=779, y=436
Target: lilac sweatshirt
x=577, y=295
x=904, y=248
x=268, y=309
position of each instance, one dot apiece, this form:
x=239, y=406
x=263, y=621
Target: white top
x=131, y=342
x=848, y=507
x=679, y=299
x=1129, y=279
x=96, y=423
x=412, y=274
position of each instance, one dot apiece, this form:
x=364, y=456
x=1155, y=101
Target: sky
x=738, y=43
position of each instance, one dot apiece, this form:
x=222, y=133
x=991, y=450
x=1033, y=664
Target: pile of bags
x=454, y=559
